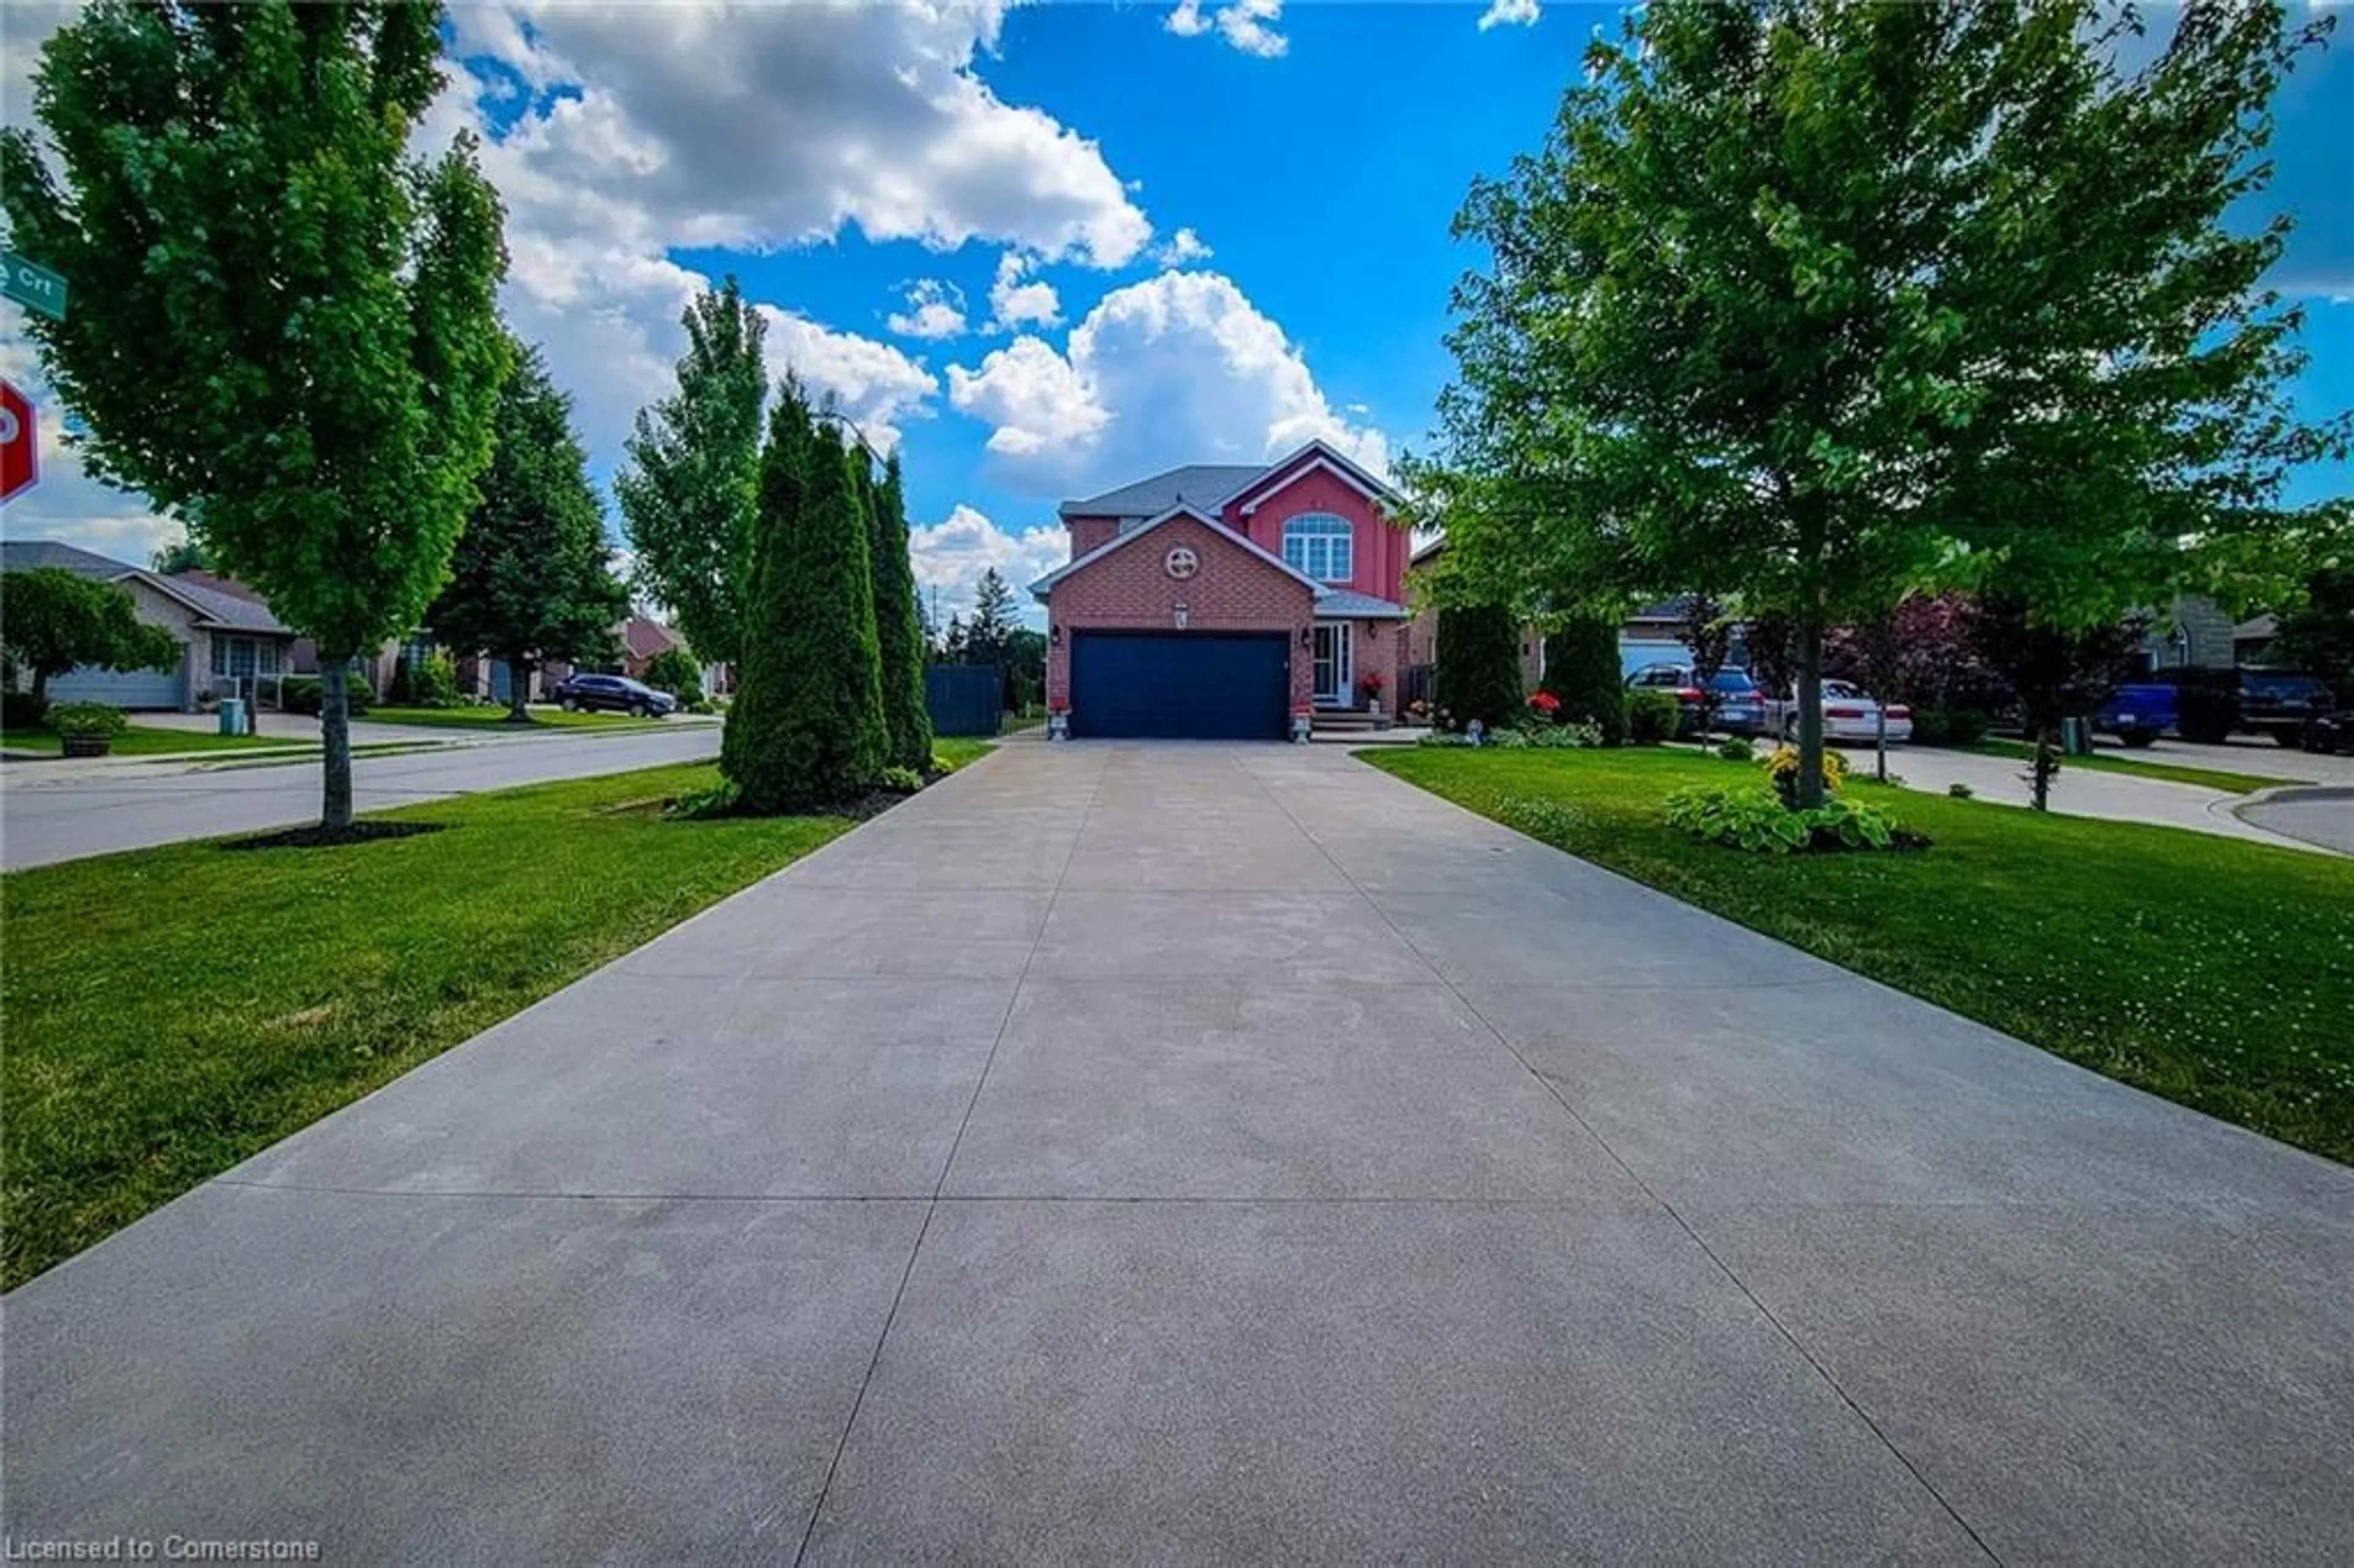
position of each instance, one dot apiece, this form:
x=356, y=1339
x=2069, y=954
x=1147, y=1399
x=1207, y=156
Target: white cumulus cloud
x=1510, y=14
x=1013, y=303
x=1039, y=402
x=950, y=558
x=1247, y=25
x=1181, y=367
x=935, y=310
x=1183, y=248
x=645, y=128
x=873, y=384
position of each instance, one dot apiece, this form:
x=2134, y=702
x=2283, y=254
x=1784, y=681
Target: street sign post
x=32, y=285
x=20, y=457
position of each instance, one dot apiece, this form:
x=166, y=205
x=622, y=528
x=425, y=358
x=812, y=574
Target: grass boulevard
x=155, y=1049
x=2216, y=973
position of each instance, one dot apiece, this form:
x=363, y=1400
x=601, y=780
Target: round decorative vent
x=1182, y=562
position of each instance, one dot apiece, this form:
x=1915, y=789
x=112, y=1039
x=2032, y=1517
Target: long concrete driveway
x=46, y=818
x=1202, y=1154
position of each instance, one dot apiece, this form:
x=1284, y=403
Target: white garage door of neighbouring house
x=122, y=689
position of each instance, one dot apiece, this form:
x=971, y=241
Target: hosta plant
x=1751, y=820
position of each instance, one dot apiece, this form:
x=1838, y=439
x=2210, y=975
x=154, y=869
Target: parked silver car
x=1849, y=713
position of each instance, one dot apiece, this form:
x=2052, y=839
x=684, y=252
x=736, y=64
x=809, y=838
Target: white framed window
x=1321, y=545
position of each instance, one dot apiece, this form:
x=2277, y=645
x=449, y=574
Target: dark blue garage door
x=1196, y=685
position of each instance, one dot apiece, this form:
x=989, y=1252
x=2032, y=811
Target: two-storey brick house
x=1216, y=601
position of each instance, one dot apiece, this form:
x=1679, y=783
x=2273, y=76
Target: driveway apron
x=1194, y=1152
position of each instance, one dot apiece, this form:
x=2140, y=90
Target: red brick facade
x=1230, y=590
x=1092, y=532
x=1235, y=589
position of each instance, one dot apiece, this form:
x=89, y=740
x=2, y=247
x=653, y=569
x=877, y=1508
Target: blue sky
x=1049, y=248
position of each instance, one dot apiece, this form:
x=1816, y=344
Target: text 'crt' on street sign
x=33, y=286
x=20, y=458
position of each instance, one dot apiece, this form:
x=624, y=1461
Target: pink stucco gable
x=1307, y=485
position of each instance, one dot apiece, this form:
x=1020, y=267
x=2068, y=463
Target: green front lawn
x=147, y=740
x=2119, y=762
x=495, y=718
x=171, y=1012
x=956, y=753
x=2216, y=972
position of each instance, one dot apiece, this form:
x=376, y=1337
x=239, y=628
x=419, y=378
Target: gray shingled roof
x=1339, y=601
x=227, y=609
x=32, y=554
x=1201, y=485
x=212, y=605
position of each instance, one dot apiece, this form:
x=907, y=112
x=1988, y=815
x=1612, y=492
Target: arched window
x=1321, y=545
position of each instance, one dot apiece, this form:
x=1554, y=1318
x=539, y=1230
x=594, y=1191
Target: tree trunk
x=519, y=688
x=2045, y=764
x=335, y=741
x=1880, y=740
x=1809, y=792
x=41, y=687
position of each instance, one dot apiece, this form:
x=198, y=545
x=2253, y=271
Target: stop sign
x=20, y=460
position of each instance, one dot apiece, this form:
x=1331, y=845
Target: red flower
x=1058, y=705
x=1544, y=702
x=1372, y=682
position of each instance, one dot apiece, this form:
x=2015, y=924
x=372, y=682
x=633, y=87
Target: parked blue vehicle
x=2137, y=714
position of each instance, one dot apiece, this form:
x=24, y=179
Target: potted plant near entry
x=1370, y=683
x=1058, y=719
x=88, y=729
x=1303, y=722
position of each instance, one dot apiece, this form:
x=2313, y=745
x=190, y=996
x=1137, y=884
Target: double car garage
x=1191, y=685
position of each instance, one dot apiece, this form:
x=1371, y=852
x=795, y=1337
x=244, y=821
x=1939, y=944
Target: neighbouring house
x=2193, y=630
x=225, y=631
x=1422, y=638
x=1215, y=601
x=641, y=638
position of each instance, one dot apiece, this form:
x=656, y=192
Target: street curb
x=2237, y=808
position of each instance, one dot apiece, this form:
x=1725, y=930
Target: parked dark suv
x=614, y=693
x=2279, y=702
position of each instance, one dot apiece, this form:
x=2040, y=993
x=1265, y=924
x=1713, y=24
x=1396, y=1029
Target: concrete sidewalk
x=1195, y=1153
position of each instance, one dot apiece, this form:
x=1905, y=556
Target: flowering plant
x=1544, y=704
x=1370, y=683
x=1782, y=768
x=1058, y=704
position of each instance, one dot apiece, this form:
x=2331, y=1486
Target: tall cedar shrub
x=898, y=627
x=806, y=730
x=1582, y=670
x=1479, y=664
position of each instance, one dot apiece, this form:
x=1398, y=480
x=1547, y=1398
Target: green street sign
x=34, y=287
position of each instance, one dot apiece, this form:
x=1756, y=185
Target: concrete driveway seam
x=940, y=1185
x=1554, y=1089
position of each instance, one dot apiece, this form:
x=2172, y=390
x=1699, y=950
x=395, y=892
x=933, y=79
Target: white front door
x=1334, y=659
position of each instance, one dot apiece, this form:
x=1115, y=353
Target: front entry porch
x=1334, y=683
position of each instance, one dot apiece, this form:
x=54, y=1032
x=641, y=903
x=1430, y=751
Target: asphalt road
x=2323, y=816
x=57, y=817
